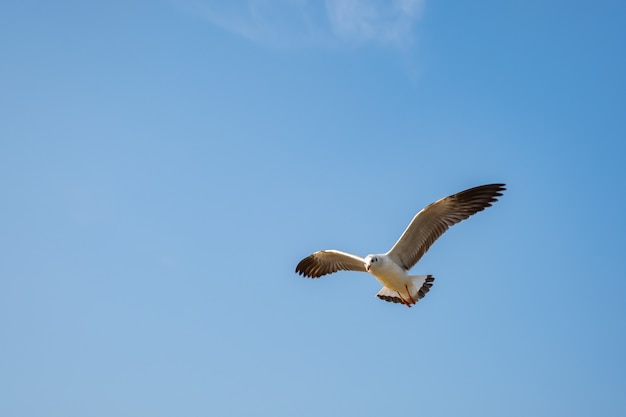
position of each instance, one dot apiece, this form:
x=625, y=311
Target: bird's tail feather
x=417, y=289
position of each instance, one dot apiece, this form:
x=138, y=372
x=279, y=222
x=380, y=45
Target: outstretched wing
x=436, y=218
x=328, y=261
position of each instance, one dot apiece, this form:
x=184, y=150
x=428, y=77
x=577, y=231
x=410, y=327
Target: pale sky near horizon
x=164, y=165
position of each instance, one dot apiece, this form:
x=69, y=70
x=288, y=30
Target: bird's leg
x=410, y=296
x=405, y=302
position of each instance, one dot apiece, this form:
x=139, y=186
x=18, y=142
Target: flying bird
x=392, y=268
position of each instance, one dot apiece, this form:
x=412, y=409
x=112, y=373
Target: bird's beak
x=367, y=267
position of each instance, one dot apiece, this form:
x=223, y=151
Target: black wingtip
x=308, y=268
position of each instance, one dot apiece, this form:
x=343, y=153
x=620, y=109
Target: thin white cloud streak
x=284, y=23
x=384, y=22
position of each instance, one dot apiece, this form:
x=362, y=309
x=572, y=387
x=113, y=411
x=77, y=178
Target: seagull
x=391, y=269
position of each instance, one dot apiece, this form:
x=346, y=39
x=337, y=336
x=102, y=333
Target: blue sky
x=164, y=165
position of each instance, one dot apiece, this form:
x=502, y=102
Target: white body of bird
x=395, y=279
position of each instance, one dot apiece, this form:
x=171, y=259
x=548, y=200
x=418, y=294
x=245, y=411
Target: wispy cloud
x=386, y=22
x=313, y=22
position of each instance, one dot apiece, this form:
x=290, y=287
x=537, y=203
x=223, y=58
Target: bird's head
x=370, y=260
